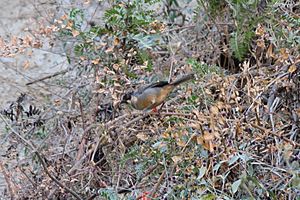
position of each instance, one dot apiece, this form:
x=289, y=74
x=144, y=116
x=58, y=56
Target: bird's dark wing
x=152, y=85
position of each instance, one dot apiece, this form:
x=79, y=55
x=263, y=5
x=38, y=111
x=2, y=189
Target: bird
x=151, y=96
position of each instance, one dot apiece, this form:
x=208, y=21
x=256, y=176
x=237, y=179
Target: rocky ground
x=16, y=18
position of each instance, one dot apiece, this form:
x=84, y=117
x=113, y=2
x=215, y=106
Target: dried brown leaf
x=214, y=110
x=109, y=50
x=208, y=136
x=176, y=159
x=75, y=33
x=26, y=64
x=142, y=136
x=260, y=30
x=270, y=52
x=180, y=143
x=165, y=135
x=292, y=68
x=116, y=41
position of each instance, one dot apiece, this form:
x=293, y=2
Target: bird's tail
x=183, y=79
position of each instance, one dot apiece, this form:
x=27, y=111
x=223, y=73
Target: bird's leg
x=162, y=105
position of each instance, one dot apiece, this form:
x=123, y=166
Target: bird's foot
x=154, y=109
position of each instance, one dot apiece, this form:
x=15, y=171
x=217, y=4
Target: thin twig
x=41, y=159
x=48, y=77
x=7, y=180
x=150, y=113
x=259, y=95
x=83, y=140
x=152, y=195
x=135, y=120
x=277, y=135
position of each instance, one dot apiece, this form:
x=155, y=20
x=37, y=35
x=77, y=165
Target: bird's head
x=127, y=97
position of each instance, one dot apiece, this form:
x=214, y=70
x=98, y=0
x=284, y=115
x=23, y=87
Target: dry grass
x=229, y=134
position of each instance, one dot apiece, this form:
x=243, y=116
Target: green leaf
x=146, y=41
x=256, y=182
x=161, y=146
x=235, y=186
x=216, y=167
x=68, y=59
x=77, y=16
x=108, y=194
x=233, y=160
x=245, y=157
x=208, y=197
x=202, y=172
